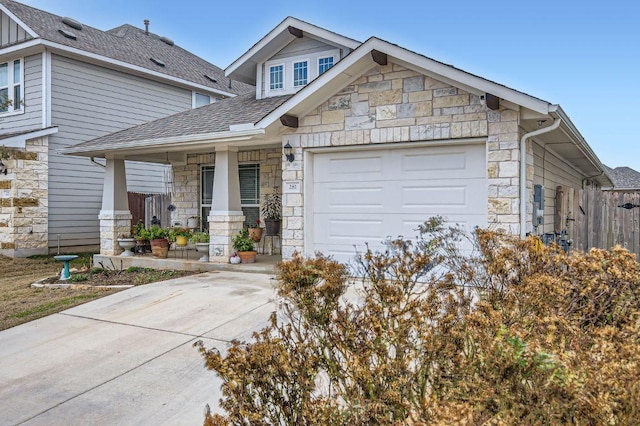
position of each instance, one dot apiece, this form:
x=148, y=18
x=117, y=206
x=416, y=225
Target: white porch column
x=115, y=217
x=226, y=217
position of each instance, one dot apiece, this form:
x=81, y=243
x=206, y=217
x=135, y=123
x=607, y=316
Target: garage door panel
x=353, y=206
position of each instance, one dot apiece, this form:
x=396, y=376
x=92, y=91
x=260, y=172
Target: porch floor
x=187, y=260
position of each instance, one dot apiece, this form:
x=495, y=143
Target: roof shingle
x=128, y=44
x=213, y=118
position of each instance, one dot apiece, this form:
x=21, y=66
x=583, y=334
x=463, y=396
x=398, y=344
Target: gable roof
x=210, y=119
x=127, y=44
x=244, y=68
x=624, y=178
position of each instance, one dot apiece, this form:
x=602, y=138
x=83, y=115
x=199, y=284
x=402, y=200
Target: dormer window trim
x=293, y=70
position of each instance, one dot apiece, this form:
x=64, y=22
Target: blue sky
x=584, y=56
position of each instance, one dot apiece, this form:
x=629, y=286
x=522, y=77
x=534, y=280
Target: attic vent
x=68, y=34
x=157, y=62
x=72, y=23
x=167, y=40
x=211, y=79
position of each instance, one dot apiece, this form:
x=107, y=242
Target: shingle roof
x=624, y=177
x=128, y=44
x=213, y=118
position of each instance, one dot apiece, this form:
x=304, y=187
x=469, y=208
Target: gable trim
x=352, y=66
x=283, y=27
x=18, y=21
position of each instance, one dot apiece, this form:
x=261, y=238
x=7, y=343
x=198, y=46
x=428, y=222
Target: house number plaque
x=292, y=186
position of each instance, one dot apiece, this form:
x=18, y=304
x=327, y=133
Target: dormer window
x=276, y=77
x=324, y=64
x=286, y=75
x=300, y=73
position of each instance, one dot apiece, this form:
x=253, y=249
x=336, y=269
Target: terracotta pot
x=272, y=226
x=247, y=256
x=255, y=234
x=160, y=248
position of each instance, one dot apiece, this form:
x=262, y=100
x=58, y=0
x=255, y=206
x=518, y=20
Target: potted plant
x=159, y=242
x=201, y=239
x=127, y=243
x=142, y=244
x=271, y=212
x=244, y=246
x=255, y=232
x=181, y=236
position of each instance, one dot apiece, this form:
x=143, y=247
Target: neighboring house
x=625, y=179
x=68, y=83
x=381, y=139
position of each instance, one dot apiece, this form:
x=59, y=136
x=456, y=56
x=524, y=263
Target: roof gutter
x=523, y=171
x=182, y=141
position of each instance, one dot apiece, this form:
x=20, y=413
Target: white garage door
x=365, y=196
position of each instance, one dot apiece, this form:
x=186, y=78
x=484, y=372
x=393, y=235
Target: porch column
x=115, y=217
x=226, y=217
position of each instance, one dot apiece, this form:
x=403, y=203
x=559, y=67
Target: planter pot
x=247, y=256
x=127, y=244
x=203, y=248
x=272, y=226
x=181, y=240
x=192, y=222
x=255, y=234
x=160, y=248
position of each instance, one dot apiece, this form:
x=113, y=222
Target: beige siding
x=550, y=171
x=87, y=102
x=32, y=117
x=301, y=47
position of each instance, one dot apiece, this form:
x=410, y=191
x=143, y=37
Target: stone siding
x=24, y=199
x=392, y=104
x=186, y=179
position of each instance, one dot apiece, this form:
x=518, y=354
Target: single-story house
x=625, y=179
x=381, y=138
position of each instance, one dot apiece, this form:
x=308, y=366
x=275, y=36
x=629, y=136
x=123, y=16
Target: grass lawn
x=20, y=303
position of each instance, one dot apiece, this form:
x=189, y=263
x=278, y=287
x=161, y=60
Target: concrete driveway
x=127, y=359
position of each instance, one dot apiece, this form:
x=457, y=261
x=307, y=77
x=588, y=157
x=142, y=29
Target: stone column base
x=223, y=227
x=113, y=225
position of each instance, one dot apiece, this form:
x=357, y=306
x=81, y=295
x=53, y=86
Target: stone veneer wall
x=186, y=179
x=24, y=196
x=393, y=104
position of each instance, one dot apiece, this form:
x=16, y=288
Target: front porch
x=186, y=260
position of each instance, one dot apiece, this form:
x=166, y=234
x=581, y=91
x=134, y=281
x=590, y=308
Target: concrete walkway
x=127, y=359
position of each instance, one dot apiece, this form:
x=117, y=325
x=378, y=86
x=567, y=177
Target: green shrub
x=76, y=278
x=132, y=269
x=521, y=333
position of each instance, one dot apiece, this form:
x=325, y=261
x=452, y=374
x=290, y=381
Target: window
x=276, y=77
x=324, y=64
x=300, y=73
x=249, y=175
x=200, y=100
x=11, y=86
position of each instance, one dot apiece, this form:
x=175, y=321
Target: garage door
x=365, y=196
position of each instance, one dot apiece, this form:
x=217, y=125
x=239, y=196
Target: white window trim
x=293, y=63
x=11, y=85
x=325, y=57
x=202, y=205
x=312, y=70
x=284, y=77
x=193, y=98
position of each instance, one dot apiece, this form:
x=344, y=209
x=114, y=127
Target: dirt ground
x=20, y=303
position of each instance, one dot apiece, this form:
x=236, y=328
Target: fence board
x=601, y=222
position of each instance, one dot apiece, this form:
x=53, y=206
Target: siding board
x=87, y=102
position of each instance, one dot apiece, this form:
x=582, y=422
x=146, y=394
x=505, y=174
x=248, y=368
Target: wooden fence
x=604, y=219
x=145, y=206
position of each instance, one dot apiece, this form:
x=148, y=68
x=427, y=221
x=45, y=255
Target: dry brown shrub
x=521, y=333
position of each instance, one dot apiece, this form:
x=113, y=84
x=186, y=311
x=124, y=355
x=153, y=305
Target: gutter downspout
x=523, y=171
